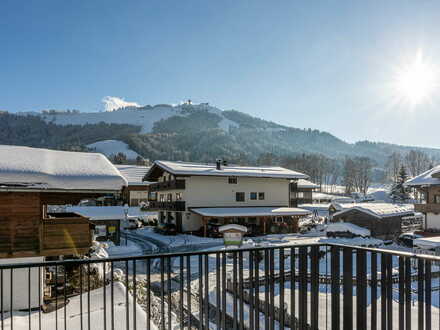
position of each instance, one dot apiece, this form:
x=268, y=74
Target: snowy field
x=100, y=318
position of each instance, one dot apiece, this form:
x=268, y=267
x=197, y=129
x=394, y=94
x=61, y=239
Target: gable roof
x=430, y=177
x=25, y=168
x=134, y=174
x=183, y=168
x=377, y=210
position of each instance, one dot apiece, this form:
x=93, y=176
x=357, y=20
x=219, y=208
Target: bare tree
x=393, y=165
x=417, y=162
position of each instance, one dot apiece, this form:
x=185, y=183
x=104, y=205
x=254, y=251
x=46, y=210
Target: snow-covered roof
x=134, y=174
x=378, y=210
x=427, y=242
x=232, y=226
x=249, y=211
x=25, y=168
x=183, y=168
x=108, y=212
x=346, y=226
x=303, y=183
x=430, y=177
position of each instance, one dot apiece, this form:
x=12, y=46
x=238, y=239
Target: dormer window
x=232, y=180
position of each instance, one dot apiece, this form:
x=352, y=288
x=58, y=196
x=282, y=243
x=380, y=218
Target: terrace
x=314, y=286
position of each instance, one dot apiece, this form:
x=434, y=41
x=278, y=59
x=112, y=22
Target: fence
x=330, y=287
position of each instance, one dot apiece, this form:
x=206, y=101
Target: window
x=253, y=196
x=239, y=196
x=261, y=195
x=232, y=180
x=179, y=196
x=437, y=199
x=170, y=197
x=300, y=194
x=162, y=198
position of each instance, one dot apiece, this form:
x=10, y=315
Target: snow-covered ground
x=112, y=147
x=177, y=241
x=55, y=320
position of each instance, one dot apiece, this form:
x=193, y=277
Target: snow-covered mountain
x=144, y=116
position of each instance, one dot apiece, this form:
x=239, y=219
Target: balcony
x=427, y=208
x=168, y=206
x=319, y=286
x=65, y=234
x=167, y=185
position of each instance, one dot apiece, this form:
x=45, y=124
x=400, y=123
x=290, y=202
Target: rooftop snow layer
x=44, y=169
x=183, y=168
x=427, y=242
x=378, y=210
x=426, y=178
x=249, y=211
x=302, y=183
x=133, y=174
x=109, y=212
x=346, y=226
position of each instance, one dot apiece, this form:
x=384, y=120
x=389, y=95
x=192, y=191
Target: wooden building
x=136, y=191
x=31, y=179
x=428, y=183
x=384, y=220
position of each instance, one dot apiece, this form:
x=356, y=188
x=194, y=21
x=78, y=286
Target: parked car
x=133, y=223
x=166, y=229
x=213, y=230
x=407, y=239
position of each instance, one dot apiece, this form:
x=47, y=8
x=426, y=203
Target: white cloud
x=112, y=103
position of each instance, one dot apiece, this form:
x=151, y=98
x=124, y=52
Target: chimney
x=218, y=163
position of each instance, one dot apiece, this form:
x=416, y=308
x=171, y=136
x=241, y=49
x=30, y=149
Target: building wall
x=432, y=192
x=20, y=285
x=20, y=215
x=432, y=221
x=217, y=192
x=385, y=228
x=206, y=191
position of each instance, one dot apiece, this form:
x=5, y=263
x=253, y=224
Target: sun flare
x=416, y=82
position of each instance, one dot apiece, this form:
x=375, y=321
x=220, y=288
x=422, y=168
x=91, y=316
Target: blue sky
x=318, y=64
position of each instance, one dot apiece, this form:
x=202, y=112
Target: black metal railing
x=168, y=206
x=299, y=287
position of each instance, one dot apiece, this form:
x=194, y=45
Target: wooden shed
x=31, y=179
x=384, y=220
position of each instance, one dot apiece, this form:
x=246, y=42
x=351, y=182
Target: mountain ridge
x=197, y=132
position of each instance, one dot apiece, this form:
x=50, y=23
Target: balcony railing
x=427, y=208
x=167, y=185
x=168, y=206
x=295, y=287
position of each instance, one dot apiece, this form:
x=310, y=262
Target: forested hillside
x=188, y=133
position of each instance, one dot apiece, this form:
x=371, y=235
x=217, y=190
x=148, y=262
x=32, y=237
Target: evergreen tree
x=400, y=193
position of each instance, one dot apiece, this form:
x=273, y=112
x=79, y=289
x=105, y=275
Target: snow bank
x=73, y=315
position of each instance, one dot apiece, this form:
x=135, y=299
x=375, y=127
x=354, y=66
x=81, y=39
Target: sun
x=416, y=82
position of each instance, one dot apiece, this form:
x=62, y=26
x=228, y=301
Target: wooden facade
x=27, y=230
x=385, y=228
